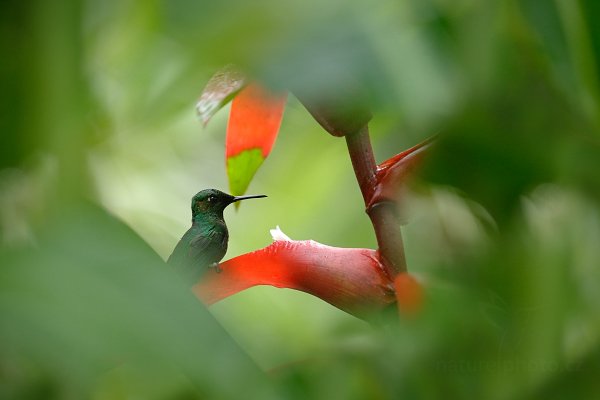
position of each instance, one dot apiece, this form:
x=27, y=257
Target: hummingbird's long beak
x=255, y=196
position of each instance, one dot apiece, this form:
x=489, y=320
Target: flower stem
x=383, y=215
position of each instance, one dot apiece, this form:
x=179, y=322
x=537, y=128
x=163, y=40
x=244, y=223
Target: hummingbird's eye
x=210, y=198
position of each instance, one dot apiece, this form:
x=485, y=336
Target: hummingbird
x=205, y=243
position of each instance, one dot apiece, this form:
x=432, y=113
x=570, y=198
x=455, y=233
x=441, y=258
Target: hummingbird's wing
x=197, y=250
x=201, y=249
x=210, y=247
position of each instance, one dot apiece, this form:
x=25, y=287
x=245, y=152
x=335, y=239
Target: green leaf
x=254, y=122
x=93, y=296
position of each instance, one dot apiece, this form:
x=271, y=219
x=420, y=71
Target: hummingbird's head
x=215, y=201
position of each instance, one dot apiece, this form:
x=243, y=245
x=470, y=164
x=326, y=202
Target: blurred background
x=101, y=152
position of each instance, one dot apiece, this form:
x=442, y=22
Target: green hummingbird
x=205, y=243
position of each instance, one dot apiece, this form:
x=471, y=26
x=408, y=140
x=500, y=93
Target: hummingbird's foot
x=216, y=266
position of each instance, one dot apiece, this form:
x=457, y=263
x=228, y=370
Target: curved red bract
x=254, y=120
x=392, y=173
x=352, y=280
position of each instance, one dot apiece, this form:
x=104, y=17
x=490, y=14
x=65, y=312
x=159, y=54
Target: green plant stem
x=383, y=215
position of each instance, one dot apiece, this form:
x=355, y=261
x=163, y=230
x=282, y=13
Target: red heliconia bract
x=254, y=120
x=350, y=279
x=392, y=173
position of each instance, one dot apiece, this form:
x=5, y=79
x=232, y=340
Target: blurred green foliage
x=101, y=153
